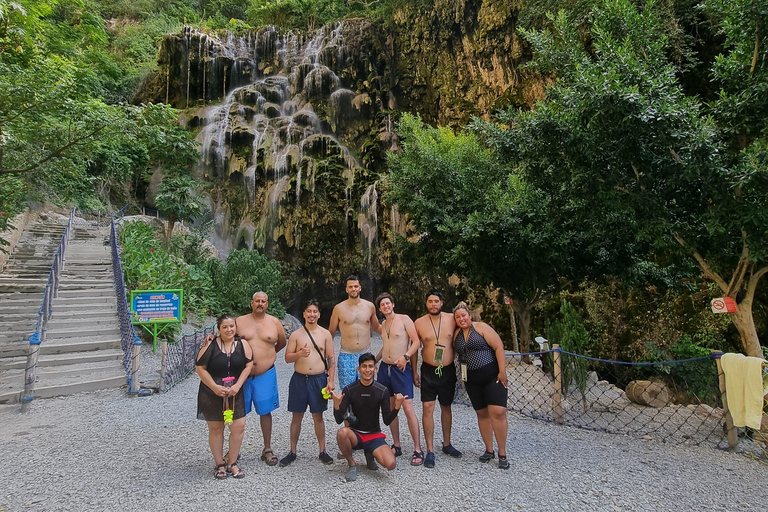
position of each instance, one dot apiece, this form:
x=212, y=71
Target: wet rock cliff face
x=294, y=128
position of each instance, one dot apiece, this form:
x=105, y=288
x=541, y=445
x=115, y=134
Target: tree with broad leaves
x=475, y=216
x=618, y=144
x=178, y=197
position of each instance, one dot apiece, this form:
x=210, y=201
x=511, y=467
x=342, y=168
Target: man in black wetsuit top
x=366, y=398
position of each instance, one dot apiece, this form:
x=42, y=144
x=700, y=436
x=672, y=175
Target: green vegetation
x=618, y=170
x=570, y=333
x=210, y=287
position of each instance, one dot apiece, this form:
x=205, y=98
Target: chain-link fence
x=671, y=401
x=179, y=357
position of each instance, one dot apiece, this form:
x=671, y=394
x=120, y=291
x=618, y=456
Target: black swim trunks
x=440, y=385
x=483, y=387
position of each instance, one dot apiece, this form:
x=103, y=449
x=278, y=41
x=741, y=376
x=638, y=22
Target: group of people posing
x=237, y=373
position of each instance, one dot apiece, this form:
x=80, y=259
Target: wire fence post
x=558, y=396
x=733, y=438
x=135, y=365
x=163, y=360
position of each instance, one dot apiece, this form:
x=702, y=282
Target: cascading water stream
x=295, y=111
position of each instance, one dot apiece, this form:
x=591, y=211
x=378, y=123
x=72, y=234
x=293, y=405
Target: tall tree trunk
x=523, y=312
x=744, y=277
x=745, y=324
x=169, y=229
x=513, y=324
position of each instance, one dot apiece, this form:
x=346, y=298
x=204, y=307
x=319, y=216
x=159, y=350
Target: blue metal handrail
x=46, y=309
x=130, y=341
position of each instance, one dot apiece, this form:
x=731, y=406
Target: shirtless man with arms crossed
x=266, y=336
x=309, y=378
x=355, y=318
x=438, y=373
x=397, y=371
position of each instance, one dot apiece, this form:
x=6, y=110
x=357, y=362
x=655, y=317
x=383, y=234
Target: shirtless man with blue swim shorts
x=355, y=318
x=266, y=336
x=397, y=372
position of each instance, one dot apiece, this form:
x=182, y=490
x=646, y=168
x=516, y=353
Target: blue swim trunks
x=396, y=380
x=347, y=369
x=306, y=390
x=261, y=391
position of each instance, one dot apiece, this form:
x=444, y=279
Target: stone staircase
x=82, y=350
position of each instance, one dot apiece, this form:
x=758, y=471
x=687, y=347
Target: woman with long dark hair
x=223, y=367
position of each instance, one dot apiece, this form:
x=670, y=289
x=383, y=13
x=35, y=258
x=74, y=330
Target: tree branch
x=55, y=154
x=757, y=49
x=703, y=265
x=753, y=280
x=741, y=267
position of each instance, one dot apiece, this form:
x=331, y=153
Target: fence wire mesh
x=671, y=401
x=179, y=359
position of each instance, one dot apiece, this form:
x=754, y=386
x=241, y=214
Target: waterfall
x=291, y=106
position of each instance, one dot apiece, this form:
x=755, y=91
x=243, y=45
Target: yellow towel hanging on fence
x=744, y=389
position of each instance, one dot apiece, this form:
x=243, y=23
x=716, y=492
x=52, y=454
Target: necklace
x=390, y=327
x=228, y=352
x=439, y=326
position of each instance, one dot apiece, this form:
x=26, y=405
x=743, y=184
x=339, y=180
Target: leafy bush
x=246, y=273
x=573, y=337
x=210, y=287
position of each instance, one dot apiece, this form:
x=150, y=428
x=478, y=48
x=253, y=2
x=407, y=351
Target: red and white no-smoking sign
x=723, y=305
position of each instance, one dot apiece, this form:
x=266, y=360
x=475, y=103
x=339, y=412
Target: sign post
x=156, y=308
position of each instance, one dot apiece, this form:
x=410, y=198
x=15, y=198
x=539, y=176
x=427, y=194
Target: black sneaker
x=325, y=458
x=450, y=450
x=503, y=462
x=286, y=461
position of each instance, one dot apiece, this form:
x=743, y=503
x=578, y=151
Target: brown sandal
x=272, y=460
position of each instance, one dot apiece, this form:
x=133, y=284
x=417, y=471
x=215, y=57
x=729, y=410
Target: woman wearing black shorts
x=481, y=352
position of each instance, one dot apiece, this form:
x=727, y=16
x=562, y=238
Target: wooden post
x=558, y=384
x=733, y=438
x=135, y=367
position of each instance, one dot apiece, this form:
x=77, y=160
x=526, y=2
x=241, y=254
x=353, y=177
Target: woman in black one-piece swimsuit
x=226, y=356
x=481, y=353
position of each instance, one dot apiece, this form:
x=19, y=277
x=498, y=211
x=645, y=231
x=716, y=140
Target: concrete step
x=66, y=381
x=89, y=293
x=47, y=389
x=15, y=377
x=84, y=331
x=96, y=356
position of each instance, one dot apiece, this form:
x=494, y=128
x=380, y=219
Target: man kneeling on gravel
x=359, y=404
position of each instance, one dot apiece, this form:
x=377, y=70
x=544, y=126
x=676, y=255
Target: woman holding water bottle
x=223, y=367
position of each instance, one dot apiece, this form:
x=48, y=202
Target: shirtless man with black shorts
x=266, y=336
x=363, y=399
x=355, y=318
x=438, y=373
x=311, y=351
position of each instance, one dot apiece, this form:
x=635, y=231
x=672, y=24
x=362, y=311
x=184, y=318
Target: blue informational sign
x=156, y=306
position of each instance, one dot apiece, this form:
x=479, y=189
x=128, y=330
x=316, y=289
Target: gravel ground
x=106, y=451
